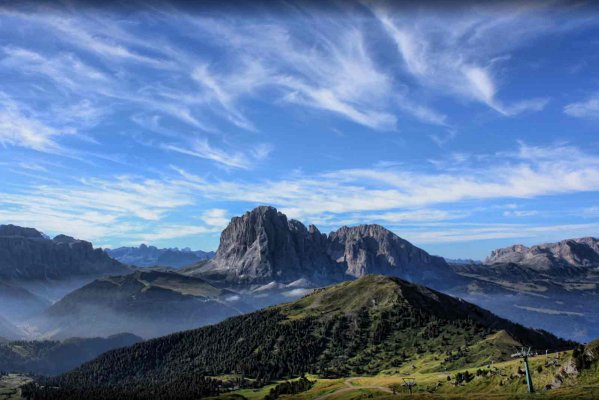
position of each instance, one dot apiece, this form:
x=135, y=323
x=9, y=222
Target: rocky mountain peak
x=65, y=239
x=262, y=246
x=27, y=254
x=581, y=252
x=373, y=249
x=13, y=230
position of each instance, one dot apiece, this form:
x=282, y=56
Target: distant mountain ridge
x=149, y=256
x=581, y=252
x=27, y=254
x=145, y=303
x=462, y=261
x=264, y=246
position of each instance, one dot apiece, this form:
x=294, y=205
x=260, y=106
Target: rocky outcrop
x=26, y=254
x=149, y=256
x=372, y=249
x=264, y=246
x=582, y=252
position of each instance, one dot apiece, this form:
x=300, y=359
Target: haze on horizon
x=461, y=129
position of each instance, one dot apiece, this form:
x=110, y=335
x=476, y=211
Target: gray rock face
x=582, y=252
x=26, y=254
x=263, y=246
x=372, y=249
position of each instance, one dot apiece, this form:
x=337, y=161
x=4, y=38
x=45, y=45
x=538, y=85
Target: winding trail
x=349, y=387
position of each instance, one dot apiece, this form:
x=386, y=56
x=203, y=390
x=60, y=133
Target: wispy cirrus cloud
x=226, y=158
x=423, y=205
x=588, y=109
x=457, y=234
x=102, y=65
x=528, y=172
x=337, y=75
x=95, y=208
x=461, y=54
x=215, y=93
x=20, y=126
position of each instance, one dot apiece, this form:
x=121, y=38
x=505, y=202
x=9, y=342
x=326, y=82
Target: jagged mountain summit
x=27, y=254
x=551, y=285
x=581, y=252
x=263, y=246
x=149, y=256
x=353, y=328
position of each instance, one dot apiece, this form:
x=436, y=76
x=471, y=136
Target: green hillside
x=369, y=326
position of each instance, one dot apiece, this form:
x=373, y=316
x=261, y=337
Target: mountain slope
x=149, y=256
x=26, y=254
x=263, y=246
x=8, y=330
x=359, y=327
x=53, y=357
x=18, y=303
x=146, y=303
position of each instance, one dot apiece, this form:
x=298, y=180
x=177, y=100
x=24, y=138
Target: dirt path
x=349, y=387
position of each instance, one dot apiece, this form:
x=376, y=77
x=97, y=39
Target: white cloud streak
x=588, y=109
x=231, y=159
x=460, y=53
x=394, y=196
x=20, y=126
x=499, y=231
x=530, y=172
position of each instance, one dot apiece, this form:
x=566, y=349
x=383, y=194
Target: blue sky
x=461, y=129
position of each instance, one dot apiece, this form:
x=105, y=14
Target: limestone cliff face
x=26, y=254
x=264, y=246
x=372, y=249
x=582, y=252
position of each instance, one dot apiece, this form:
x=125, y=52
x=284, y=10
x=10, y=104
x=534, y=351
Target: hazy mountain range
x=146, y=303
x=62, y=288
x=149, y=256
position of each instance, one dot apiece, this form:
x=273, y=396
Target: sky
x=462, y=128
